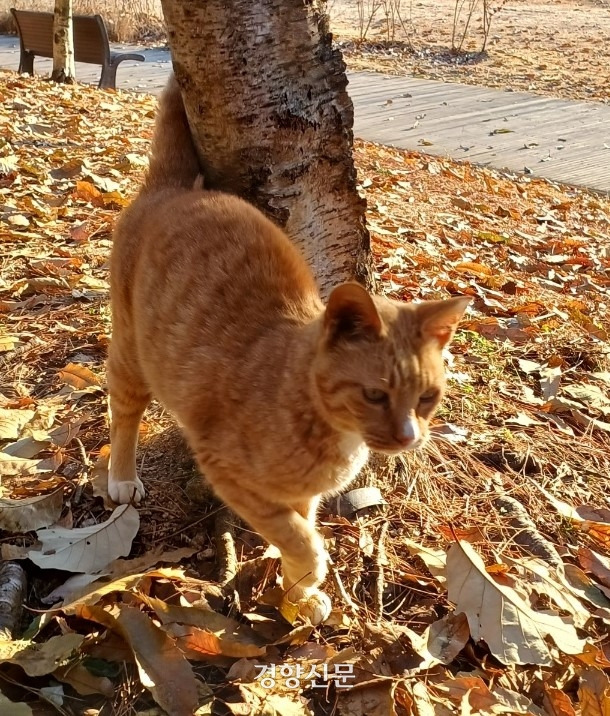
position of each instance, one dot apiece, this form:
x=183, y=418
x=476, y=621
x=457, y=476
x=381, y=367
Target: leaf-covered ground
x=553, y=47
x=483, y=586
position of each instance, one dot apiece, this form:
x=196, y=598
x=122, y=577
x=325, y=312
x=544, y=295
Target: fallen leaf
x=594, y=692
x=596, y=564
x=442, y=641
x=91, y=594
x=550, y=582
x=12, y=422
x=27, y=447
x=162, y=667
x=83, y=681
x=434, y=559
x=368, y=699
x=88, y=549
x=40, y=659
x=471, y=688
x=22, y=467
x=31, y=513
x=203, y=632
x=556, y=703
x=513, y=631
x=78, y=376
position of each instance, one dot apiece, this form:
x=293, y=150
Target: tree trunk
x=63, y=43
x=266, y=98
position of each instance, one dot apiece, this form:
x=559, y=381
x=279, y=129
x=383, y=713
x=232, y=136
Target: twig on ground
x=84, y=476
x=381, y=561
x=226, y=556
x=340, y=587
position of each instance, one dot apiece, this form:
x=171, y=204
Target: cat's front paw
x=123, y=492
x=314, y=605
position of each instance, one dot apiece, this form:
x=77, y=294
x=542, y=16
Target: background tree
x=63, y=43
x=265, y=93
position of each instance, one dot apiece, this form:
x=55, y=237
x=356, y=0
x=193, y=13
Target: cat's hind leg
x=128, y=398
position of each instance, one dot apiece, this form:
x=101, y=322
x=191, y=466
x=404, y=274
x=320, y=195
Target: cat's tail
x=173, y=160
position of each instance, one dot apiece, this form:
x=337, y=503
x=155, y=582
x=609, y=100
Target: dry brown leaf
x=40, y=659
x=84, y=682
x=556, y=703
x=31, y=513
x=550, y=582
x=375, y=698
x=29, y=446
x=88, y=549
x=594, y=692
x=599, y=531
x=87, y=192
x=434, y=559
x=91, y=594
x=230, y=637
x=442, y=641
x=22, y=467
x=472, y=689
x=12, y=422
x=596, y=564
x=203, y=644
x=498, y=615
x=161, y=665
x=78, y=376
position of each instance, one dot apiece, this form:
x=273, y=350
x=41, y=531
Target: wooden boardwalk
x=562, y=141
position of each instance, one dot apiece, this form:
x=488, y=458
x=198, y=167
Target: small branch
x=226, y=556
x=84, y=476
x=340, y=587
x=12, y=594
x=381, y=562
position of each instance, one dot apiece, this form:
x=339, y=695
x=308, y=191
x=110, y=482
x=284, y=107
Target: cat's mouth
x=394, y=447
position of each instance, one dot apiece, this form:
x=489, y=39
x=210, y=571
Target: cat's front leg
x=128, y=398
x=292, y=531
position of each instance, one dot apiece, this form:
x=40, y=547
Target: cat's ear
x=351, y=313
x=438, y=320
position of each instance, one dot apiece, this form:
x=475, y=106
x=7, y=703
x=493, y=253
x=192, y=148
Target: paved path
x=563, y=141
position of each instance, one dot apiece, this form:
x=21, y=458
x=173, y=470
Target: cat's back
x=206, y=246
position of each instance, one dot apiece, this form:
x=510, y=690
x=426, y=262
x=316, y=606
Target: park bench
x=90, y=43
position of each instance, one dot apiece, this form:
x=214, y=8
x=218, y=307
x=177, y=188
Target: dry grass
x=126, y=20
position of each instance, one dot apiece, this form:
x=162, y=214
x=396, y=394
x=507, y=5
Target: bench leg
x=108, y=78
x=26, y=62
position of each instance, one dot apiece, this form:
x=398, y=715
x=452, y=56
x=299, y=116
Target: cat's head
x=379, y=370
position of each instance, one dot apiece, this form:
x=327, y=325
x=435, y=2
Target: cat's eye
x=429, y=397
x=375, y=395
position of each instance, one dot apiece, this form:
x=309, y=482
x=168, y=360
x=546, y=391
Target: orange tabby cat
x=217, y=315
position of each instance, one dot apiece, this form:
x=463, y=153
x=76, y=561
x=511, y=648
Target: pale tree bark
x=63, y=43
x=266, y=98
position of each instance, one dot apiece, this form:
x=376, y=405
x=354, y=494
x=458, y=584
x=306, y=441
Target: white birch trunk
x=63, y=43
x=265, y=93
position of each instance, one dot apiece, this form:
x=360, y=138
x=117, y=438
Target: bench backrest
x=90, y=35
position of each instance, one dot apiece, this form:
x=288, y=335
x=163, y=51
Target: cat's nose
x=408, y=432
x=403, y=440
